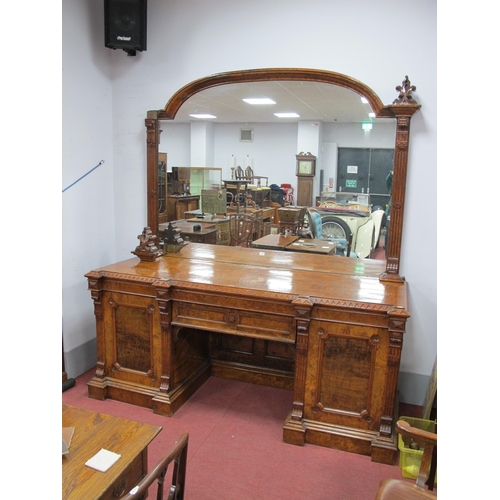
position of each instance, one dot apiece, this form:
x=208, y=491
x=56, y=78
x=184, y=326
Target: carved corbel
x=303, y=307
x=147, y=249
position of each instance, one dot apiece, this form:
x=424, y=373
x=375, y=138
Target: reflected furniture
x=206, y=234
x=177, y=457
x=92, y=432
x=273, y=242
x=238, y=188
x=322, y=247
x=177, y=205
x=252, y=177
x=242, y=228
x=331, y=334
x=295, y=244
x=305, y=171
x=400, y=110
x=291, y=219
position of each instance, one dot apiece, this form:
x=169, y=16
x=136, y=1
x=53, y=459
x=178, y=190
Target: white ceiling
x=311, y=100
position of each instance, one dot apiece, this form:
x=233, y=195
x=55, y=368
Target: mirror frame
x=402, y=109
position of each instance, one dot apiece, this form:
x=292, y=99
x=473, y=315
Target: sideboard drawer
x=236, y=322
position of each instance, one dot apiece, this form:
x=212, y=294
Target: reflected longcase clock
x=306, y=169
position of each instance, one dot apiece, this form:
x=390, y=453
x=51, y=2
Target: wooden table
x=326, y=327
x=207, y=233
x=94, y=431
x=323, y=247
x=274, y=241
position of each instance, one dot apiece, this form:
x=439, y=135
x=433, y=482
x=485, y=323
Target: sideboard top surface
x=293, y=273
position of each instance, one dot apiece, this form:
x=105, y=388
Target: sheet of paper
x=103, y=460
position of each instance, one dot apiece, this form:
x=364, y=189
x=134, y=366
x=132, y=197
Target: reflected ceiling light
x=364, y=100
x=367, y=126
x=202, y=115
x=260, y=100
x=371, y=115
x=287, y=115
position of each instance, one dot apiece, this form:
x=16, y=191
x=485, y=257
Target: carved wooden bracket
x=147, y=249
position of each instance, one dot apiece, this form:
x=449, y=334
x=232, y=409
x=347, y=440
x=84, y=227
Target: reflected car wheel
x=333, y=227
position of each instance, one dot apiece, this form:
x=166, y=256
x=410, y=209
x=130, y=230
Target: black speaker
x=125, y=24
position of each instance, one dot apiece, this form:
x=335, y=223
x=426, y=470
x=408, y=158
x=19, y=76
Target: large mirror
x=295, y=81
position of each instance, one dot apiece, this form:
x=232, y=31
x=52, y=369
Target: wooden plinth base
x=381, y=450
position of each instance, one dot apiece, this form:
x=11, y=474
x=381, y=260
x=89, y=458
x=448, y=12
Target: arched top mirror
x=400, y=110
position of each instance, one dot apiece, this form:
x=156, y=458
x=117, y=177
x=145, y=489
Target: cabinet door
x=132, y=334
x=346, y=370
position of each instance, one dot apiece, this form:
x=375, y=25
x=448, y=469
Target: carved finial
x=172, y=241
x=147, y=249
x=405, y=90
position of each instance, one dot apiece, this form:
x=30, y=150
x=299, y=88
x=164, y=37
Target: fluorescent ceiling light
x=260, y=100
x=202, y=115
x=371, y=115
x=367, y=126
x=287, y=115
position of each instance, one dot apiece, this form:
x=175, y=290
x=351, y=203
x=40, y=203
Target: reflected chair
x=315, y=230
x=402, y=489
x=241, y=229
x=249, y=175
x=178, y=455
x=239, y=174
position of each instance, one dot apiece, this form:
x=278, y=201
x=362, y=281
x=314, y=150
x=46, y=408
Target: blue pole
x=78, y=180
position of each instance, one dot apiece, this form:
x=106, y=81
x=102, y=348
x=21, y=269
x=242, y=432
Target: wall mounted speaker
x=125, y=24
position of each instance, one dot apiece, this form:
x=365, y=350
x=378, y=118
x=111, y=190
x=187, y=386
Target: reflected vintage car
x=356, y=218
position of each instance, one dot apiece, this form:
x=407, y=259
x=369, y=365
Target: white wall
x=191, y=39
x=88, y=215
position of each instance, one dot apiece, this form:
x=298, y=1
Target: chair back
x=315, y=222
x=176, y=455
x=241, y=229
x=239, y=173
x=401, y=489
x=249, y=173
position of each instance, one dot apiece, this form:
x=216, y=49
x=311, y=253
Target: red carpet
x=235, y=446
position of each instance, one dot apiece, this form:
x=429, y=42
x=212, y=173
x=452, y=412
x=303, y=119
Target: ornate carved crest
x=405, y=90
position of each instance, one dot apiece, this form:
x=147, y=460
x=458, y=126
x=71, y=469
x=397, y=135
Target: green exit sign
x=351, y=183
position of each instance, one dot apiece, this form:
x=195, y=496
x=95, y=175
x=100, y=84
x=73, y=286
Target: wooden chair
x=178, y=455
x=249, y=175
x=241, y=229
x=402, y=489
x=239, y=173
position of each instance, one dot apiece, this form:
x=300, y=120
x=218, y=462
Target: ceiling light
x=371, y=115
x=287, y=115
x=364, y=100
x=202, y=115
x=262, y=100
x=367, y=126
